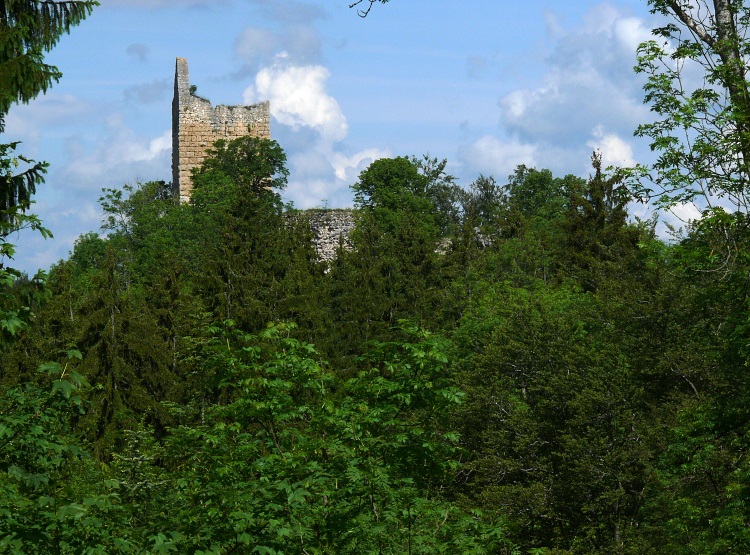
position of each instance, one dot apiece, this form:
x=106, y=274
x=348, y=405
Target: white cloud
x=586, y=98
x=321, y=174
x=588, y=84
x=27, y=121
x=311, y=192
x=118, y=157
x=310, y=161
x=348, y=168
x=615, y=151
x=158, y=145
x=491, y=156
x=568, y=104
x=299, y=98
x=686, y=212
x=312, y=127
x=631, y=32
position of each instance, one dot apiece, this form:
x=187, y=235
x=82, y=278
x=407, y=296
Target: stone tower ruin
x=196, y=126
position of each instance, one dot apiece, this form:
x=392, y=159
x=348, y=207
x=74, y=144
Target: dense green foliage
x=696, y=69
x=28, y=30
x=197, y=381
x=581, y=389
x=201, y=428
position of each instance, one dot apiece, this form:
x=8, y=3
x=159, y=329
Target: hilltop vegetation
x=512, y=367
x=218, y=389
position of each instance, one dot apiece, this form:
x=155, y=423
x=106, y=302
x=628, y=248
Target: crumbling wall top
x=197, y=125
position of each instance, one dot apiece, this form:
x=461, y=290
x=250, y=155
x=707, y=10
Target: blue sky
x=486, y=84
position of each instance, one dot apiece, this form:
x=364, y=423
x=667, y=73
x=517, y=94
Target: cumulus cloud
x=119, y=156
x=615, y=151
x=311, y=125
x=605, y=39
x=491, y=156
x=630, y=33
x=321, y=176
x=312, y=192
x=348, y=168
x=568, y=104
x=588, y=85
x=586, y=98
x=686, y=212
x=283, y=62
x=299, y=98
x=321, y=172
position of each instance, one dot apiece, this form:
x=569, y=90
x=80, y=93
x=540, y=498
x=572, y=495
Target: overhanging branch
x=695, y=26
x=364, y=12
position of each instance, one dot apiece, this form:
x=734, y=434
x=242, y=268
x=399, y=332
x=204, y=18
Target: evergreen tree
x=28, y=30
x=255, y=263
x=391, y=272
x=597, y=228
x=16, y=298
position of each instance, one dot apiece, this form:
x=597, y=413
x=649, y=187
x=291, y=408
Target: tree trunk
x=727, y=47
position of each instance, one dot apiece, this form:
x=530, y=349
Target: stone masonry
x=330, y=228
x=196, y=126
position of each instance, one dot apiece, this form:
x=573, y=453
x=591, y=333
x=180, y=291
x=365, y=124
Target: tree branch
x=366, y=11
x=690, y=23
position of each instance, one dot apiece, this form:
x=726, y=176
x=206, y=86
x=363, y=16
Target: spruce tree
x=29, y=29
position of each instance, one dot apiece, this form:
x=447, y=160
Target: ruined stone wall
x=330, y=228
x=333, y=227
x=196, y=126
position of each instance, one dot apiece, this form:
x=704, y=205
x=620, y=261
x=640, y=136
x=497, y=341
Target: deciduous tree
x=697, y=86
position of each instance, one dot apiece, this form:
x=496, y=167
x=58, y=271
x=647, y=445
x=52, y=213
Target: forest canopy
x=517, y=366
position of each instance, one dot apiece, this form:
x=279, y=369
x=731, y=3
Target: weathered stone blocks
x=196, y=126
x=330, y=228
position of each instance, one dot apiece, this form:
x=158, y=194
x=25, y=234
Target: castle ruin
x=196, y=126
